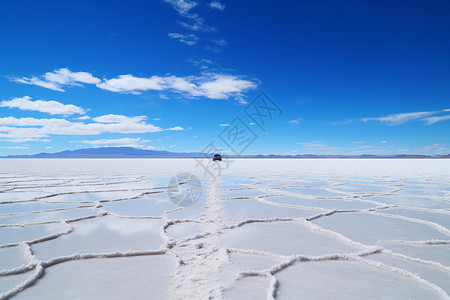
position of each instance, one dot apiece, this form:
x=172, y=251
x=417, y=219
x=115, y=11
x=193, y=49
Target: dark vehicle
x=217, y=157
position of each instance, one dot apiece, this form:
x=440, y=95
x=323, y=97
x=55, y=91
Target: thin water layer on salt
x=185, y=229
x=12, y=235
x=246, y=193
x=439, y=217
x=414, y=201
x=105, y=234
x=14, y=196
x=286, y=238
x=430, y=273
x=11, y=281
x=436, y=253
x=314, y=192
x=321, y=203
x=347, y=280
x=52, y=216
x=145, y=207
x=195, y=211
x=248, y=288
x=205, y=265
x=12, y=257
x=371, y=229
x=143, y=277
x=93, y=196
x=35, y=206
x=239, y=210
x=429, y=192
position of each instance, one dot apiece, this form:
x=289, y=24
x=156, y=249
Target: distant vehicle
x=217, y=157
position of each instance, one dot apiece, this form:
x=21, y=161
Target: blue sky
x=350, y=77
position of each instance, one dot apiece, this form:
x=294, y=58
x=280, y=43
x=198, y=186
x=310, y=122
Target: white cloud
x=182, y=6
x=213, y=86
x=224, y=125
x=111, y=118
x=217, y=5
x=398, y=119
x=57, y=79
x=209, y=85
x=312, y=145
x=31, y=128
x=51, y=107
x=123, y=142
x=220, y=42
x=358, y=142
x=15, y=147
x=64, y=76
x=82, y=118
x=435, y=119
x=176, y=128
x=131, y=84
x=188, y=39
x=295, y=122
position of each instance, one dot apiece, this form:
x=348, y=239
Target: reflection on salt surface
x=286, y=238
x=106, y=234
x=235, y=211
x=291, y=228
x=253, y=287
x=144, y=277
x=48, y=216
x=11, y=258
x=185, y=229
x=347, y=280
x=151, y=206
x=11, y=235
x=429, y=273
x=28, y=207
x=321, y=203
x=369, y=229
x=9, y=282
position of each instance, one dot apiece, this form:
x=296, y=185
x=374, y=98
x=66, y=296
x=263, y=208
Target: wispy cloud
x=435, y=119
x=428, y=117
x=295, y=121
x=193, y=21
x=217, y=5
x=188, y=39
x=397, y=119
x=182, y=6
x=122, y=142
x=219, y=42
x=51, y=107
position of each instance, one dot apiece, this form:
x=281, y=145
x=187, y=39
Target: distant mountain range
x=128, y=152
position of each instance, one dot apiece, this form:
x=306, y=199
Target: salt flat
x=260, y=229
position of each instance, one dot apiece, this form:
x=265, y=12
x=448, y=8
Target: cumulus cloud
x=188, y=39
x=209, y=85
x=57, y=79
x=213, y=86
x=51, y=107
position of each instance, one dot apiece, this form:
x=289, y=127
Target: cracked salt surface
x=315, y=229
